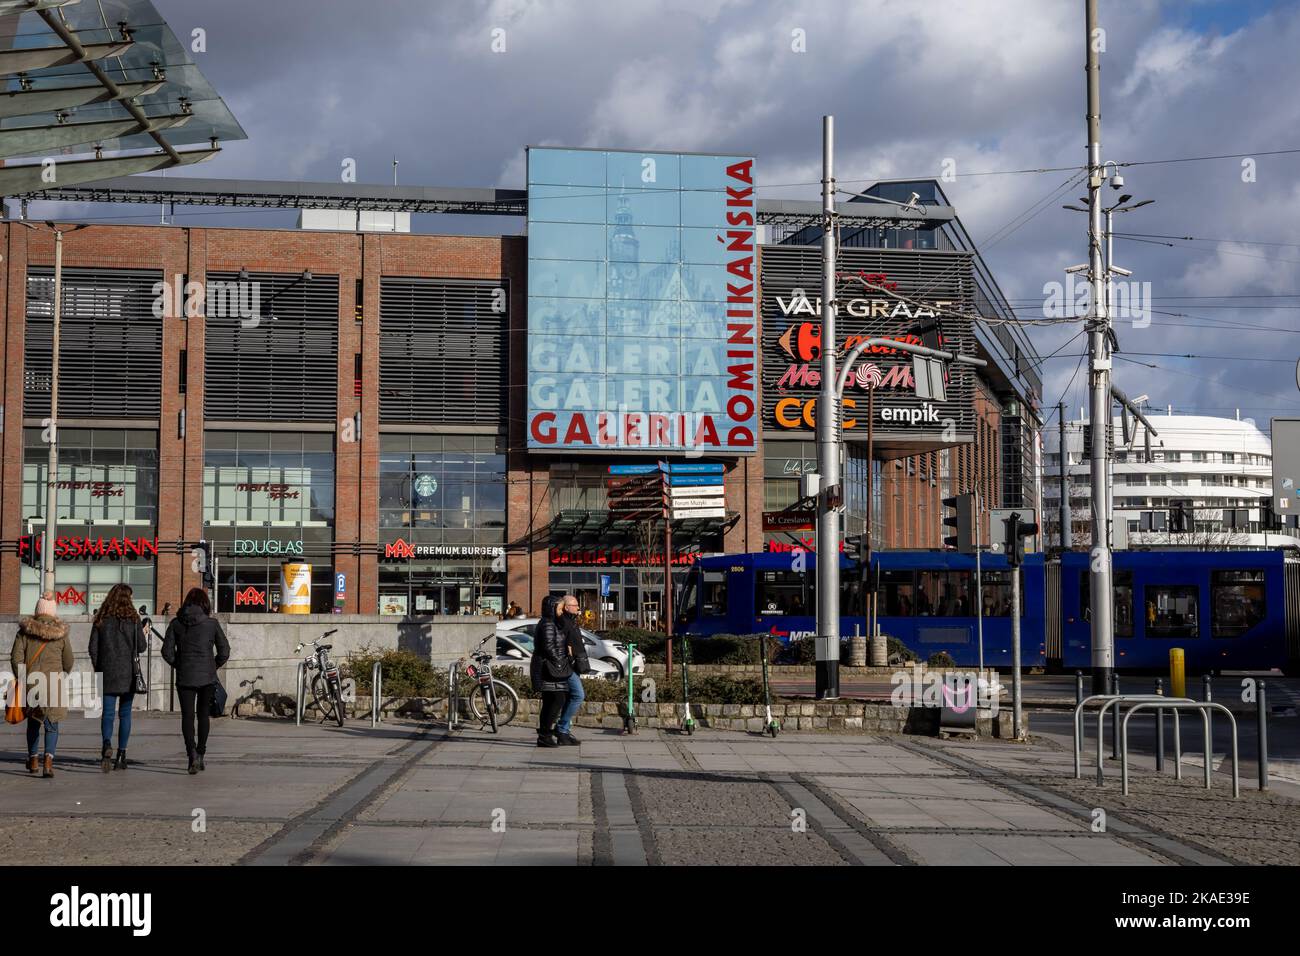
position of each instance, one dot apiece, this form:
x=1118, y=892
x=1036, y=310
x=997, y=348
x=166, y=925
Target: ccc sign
x=800, y=413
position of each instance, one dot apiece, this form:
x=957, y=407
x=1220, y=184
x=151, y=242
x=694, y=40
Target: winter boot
x=106, y=757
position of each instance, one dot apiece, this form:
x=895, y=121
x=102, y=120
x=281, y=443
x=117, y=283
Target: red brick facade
x=911, y=491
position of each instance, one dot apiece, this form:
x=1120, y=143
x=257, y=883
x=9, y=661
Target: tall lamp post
x=52, y=468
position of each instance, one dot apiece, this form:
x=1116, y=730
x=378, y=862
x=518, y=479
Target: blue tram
x=1225, y=609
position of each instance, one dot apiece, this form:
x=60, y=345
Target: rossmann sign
x=904, y=296
x=642, y=302
x=72, y=548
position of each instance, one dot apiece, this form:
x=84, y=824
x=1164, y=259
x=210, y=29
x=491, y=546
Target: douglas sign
x=642, y=302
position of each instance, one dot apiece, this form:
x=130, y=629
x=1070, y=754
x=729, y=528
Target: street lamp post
x=52, y=466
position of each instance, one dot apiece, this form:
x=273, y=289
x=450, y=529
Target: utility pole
x=828, y=449
x=1066, y=530
x=1099, y=364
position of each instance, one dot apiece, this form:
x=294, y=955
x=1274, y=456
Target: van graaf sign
x=642, y=305
x=900, y=301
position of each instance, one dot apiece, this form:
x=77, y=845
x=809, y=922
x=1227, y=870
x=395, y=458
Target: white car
x=599, y=650
x=515, y=649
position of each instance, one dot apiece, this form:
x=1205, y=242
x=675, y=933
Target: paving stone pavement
x=407, y=793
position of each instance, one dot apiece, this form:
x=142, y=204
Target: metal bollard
x=1261, y=715
x=1114, y=727
x=302, y=693
x=376, y=693
x=1078, y=687
x=1160, y=729
x=1209, y=717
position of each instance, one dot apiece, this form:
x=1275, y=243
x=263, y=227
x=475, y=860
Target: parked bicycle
x=326, y=682
x=492, y=701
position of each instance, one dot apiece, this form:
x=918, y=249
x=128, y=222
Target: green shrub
x=941, y=659
x=405, y=674
x=898, y=651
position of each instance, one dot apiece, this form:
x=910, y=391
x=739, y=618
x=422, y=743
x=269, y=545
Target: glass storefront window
x=107, y=489
x=445, y=493
x=268, y=498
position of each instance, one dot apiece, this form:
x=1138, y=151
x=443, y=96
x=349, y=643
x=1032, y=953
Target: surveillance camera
x=913, y=199
x=1117, y=181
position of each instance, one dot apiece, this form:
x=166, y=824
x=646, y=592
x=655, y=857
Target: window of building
x=268, y=499
x=1237, y=602
x=1172, y=610
x=107, y=489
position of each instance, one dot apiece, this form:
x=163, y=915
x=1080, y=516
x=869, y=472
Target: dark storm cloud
x=992, y=85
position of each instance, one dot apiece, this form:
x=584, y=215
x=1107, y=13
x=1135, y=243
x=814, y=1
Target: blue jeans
x=576, y=696
x=115, y=704
x=34, y=735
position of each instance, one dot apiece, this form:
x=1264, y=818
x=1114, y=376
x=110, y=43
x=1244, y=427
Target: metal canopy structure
x=260, y=194
x=102, y=76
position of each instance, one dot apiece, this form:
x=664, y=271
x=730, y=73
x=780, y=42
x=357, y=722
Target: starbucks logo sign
x=425, y=486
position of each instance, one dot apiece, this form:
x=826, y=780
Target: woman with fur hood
x=42, y=652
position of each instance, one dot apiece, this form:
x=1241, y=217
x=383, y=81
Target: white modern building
x=1222, y=467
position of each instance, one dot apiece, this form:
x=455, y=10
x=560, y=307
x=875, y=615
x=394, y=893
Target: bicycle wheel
x=323, y=696
x=478, y=703
x=507, y=702
x=340, y=712
x=490, y=700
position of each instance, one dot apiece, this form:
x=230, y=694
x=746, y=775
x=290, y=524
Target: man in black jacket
x=580, y=665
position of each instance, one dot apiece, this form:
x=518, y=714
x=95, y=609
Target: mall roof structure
x=90, y=85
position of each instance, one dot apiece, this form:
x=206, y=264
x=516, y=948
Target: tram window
x=781, y=592
x=1171, y=610
x=944, y=593
x=713, y=594
x=1122, y=589
x=1237, y=602
x=996, y=586
x=899, y=599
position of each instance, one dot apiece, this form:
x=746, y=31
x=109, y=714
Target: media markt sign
x=251, y=546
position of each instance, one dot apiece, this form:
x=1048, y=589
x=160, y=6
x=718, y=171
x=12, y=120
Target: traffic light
x=29, y=550
x=962, y=521
x=1016, y=532
x=203, y=564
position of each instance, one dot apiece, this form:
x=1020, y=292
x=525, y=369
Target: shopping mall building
x=428, y=421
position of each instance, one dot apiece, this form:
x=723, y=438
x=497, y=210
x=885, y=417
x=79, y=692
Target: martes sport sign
x=642, y=302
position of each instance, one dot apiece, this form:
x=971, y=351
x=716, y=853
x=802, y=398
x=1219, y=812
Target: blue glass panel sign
x=642, y=313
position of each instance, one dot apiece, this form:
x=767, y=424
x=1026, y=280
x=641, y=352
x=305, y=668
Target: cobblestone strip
x=299, y=840
x=839, y=827
x=617, y=840
x=1138, y=836
x=685, y=759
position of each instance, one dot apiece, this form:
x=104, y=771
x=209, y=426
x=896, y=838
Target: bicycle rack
x=1204, y=707
x=453, y=701
x=376, y=694
x=301, y=702
x=1101, y=714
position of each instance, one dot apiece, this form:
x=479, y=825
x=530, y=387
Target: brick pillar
x=348, y=483
x=366, y=491
x=13, y=327
x=180, y=459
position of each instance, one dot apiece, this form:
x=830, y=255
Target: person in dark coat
x=549, y=670
x=116, y=640
x=195, y=647
x=578, y=664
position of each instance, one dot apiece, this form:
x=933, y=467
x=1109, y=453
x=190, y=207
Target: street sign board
x=692, y=479
x=803, y=520
x=633, y=469
x=1286, y=463
x=695, y=491
x=699, y=513
x=691, y=468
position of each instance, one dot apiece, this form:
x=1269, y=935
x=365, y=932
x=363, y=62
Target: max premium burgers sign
x=911, y=296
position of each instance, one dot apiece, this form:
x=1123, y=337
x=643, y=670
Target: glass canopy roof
x=49, y=91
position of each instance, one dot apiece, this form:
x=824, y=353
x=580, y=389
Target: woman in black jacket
x=192, y=638
x=116, y=640
x=550, y=670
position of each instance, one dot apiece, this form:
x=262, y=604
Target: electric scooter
x=688, y=722
x=629, y=718
x=772, y=725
